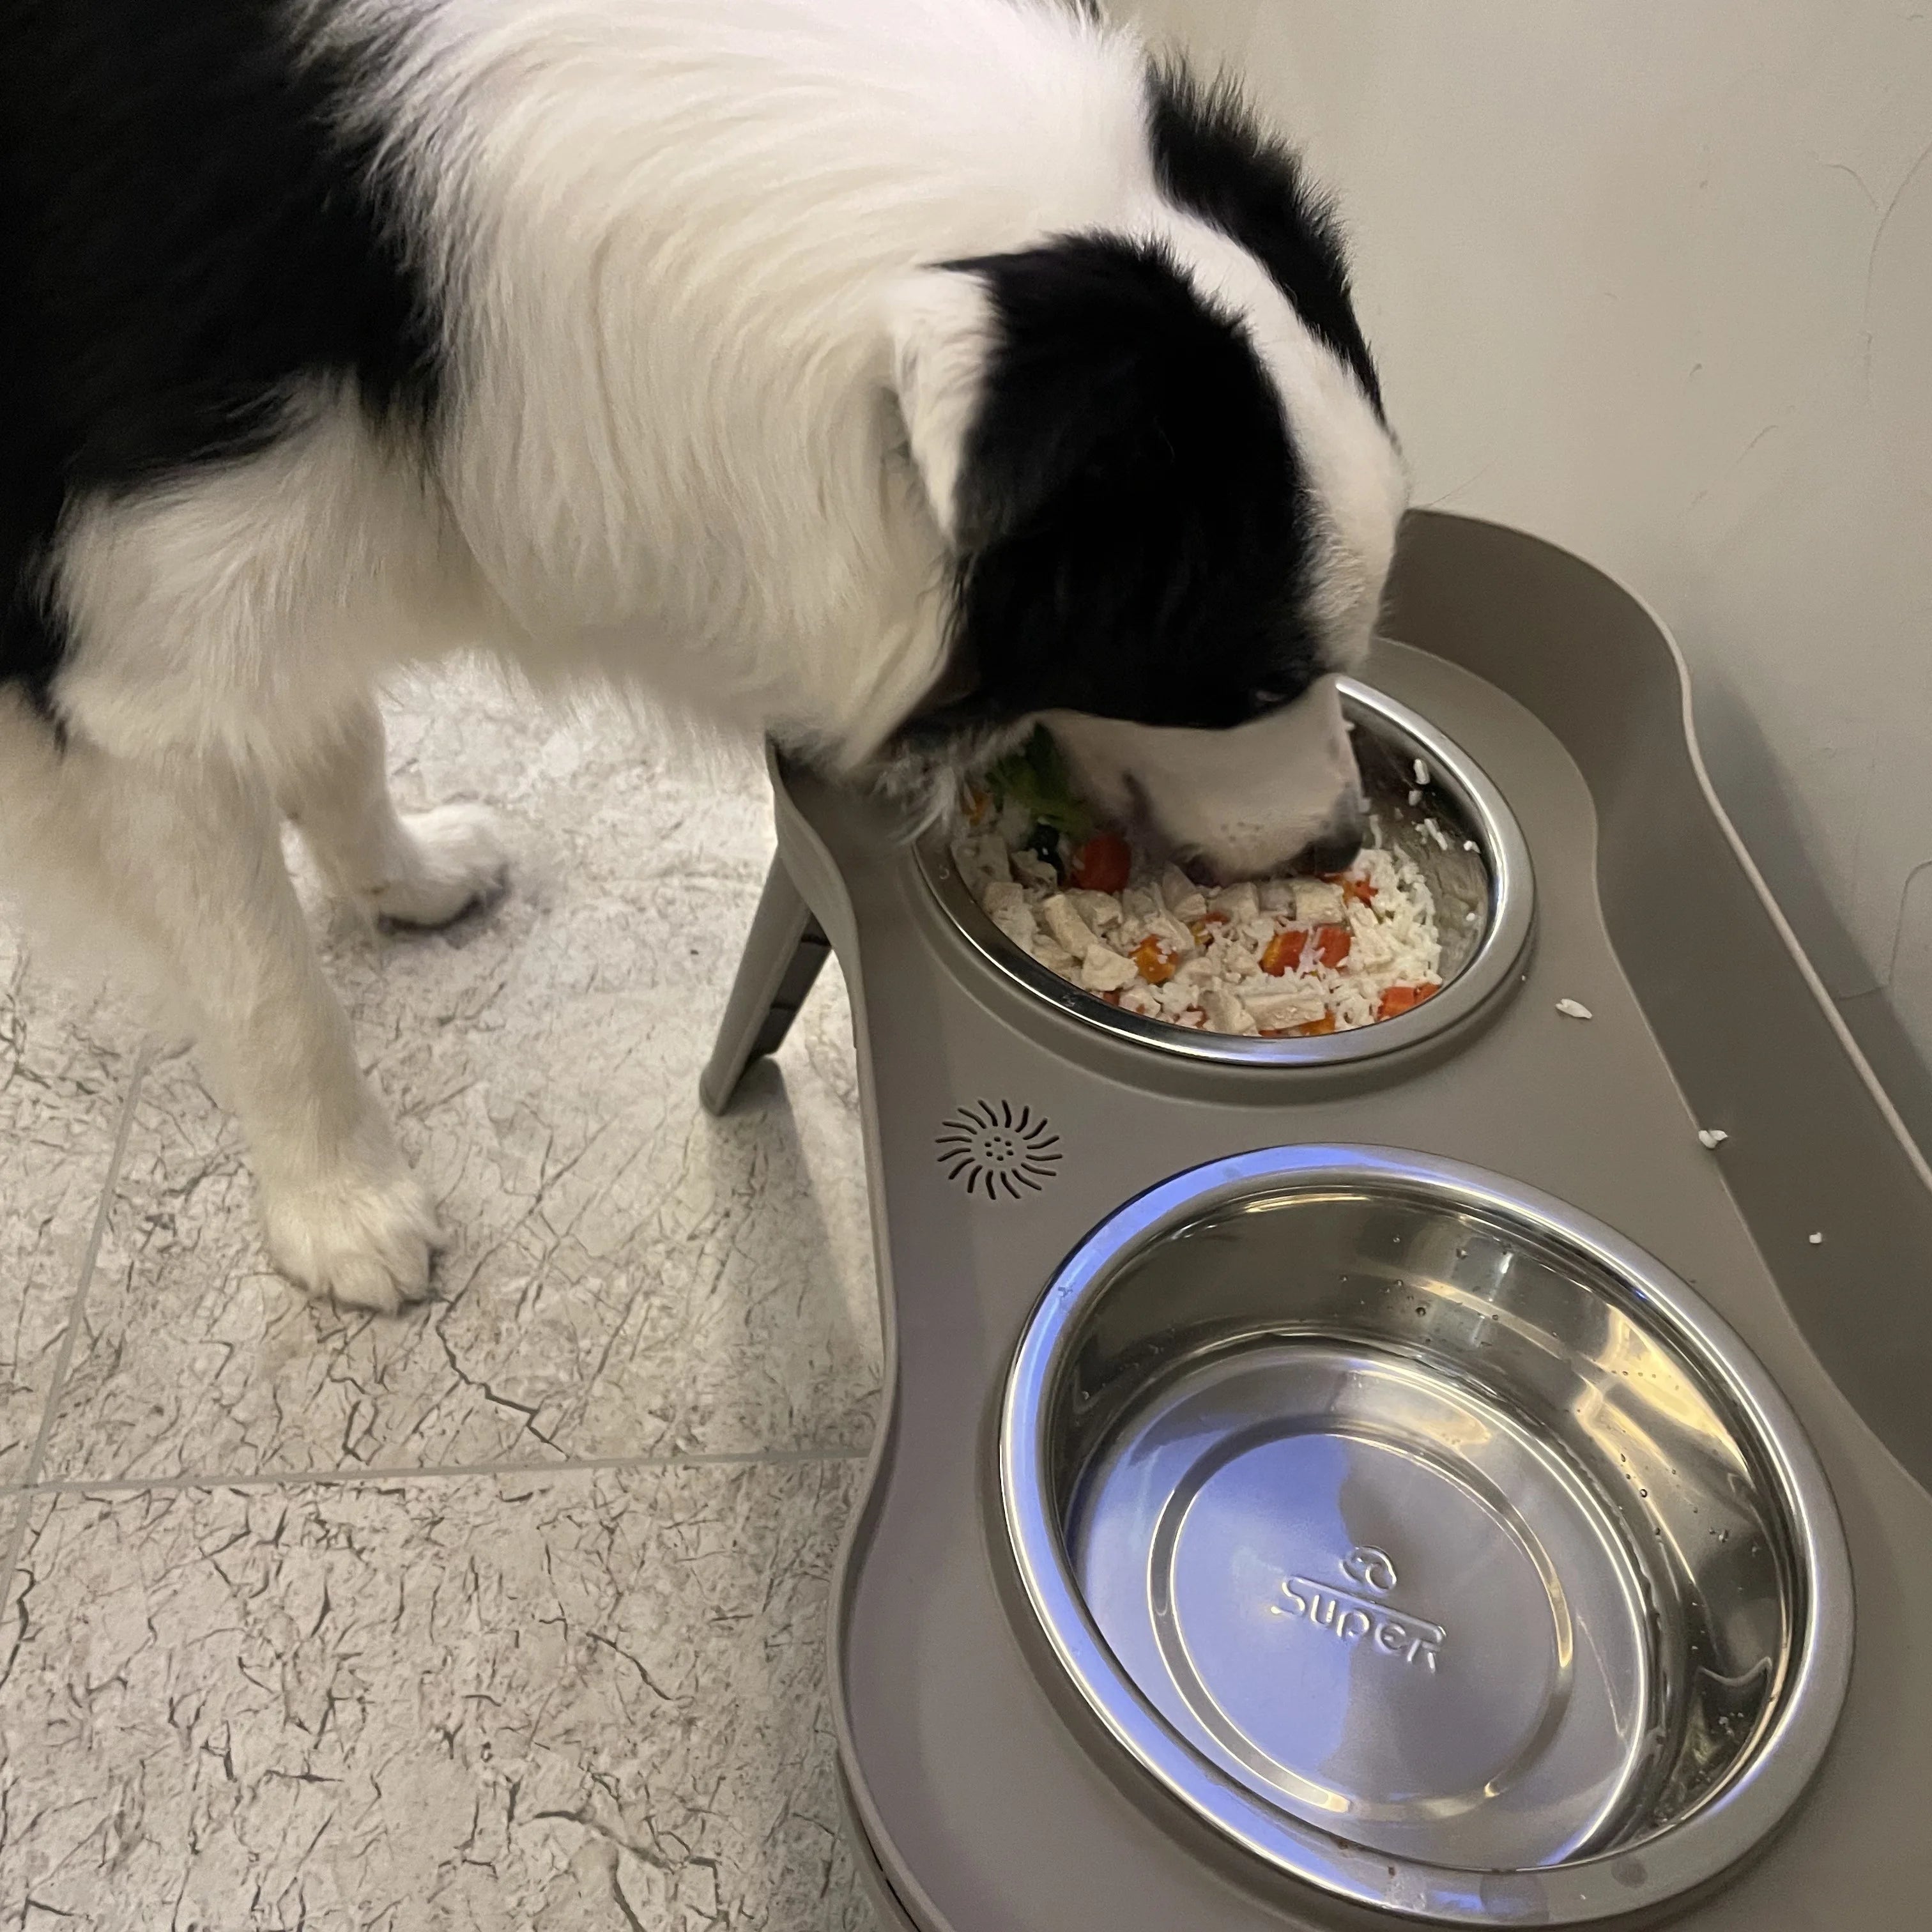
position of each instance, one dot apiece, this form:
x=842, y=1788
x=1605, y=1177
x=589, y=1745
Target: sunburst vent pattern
x=993, y=1148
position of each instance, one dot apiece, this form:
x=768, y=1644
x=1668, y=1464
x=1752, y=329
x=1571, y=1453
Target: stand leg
x=782, y=957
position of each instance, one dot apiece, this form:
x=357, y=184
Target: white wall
x=1653, y=278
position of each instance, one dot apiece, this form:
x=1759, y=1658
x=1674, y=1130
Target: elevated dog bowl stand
x=983, y=1794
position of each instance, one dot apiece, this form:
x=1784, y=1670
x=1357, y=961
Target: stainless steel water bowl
x=1458, y=831
x=1425, y=1537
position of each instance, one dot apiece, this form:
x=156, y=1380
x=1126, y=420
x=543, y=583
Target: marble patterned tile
x=627, y=1276
x=544, y=1703
x=65, y=1064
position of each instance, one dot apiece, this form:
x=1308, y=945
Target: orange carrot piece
x=1401, y=1000
x=1283, y=953
x=1156, y=965
x=1332, y=944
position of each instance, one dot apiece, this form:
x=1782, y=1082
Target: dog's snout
x=1338, y=844
x=1282, y=791
x=1328, y=855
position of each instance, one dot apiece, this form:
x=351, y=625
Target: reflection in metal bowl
x=1368, y=1497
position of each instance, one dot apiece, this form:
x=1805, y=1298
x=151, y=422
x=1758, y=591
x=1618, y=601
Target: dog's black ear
x=1085, y=378
x=1113, y=395
x=1112, y=463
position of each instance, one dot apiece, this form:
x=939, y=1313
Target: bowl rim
x=1505, y=853
x=1681, y=1855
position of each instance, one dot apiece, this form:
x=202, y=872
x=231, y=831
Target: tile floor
x=508, y=1612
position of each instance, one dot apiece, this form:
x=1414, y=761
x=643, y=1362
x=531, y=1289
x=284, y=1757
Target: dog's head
x=1158, y=457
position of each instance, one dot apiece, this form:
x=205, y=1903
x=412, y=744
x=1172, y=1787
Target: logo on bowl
x=1356, y=1611
x=1367, y=1565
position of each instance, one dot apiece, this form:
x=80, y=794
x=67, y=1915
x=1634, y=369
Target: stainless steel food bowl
x=1425, y=1537
x=1473, y=859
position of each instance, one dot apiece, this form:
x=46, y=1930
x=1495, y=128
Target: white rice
x=1213, y=937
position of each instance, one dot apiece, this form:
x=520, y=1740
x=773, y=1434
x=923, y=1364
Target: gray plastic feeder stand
x=783, y=956
x=1427, y=1483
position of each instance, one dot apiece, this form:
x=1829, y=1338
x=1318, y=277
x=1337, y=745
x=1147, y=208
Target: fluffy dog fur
x=881, y=374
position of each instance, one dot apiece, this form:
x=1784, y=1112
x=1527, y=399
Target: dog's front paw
x=362, y=1237
x=457, y=861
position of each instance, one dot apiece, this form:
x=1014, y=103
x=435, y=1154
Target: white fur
x=704, y=443
x=942, y=325
x=244, y=611
x=675, y=456
x=184, y=849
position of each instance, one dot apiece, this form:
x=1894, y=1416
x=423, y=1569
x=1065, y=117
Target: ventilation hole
x=997, y=1151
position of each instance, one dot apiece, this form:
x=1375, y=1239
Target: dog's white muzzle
x=1258, y=798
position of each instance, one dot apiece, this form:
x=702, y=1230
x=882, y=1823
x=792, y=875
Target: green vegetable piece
x=1036, y=778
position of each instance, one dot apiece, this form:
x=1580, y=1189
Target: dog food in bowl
x=1280, y=958
x=1424, y=930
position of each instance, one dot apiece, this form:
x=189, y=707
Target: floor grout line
x=727, y=1458
x=27, y=1485
x=16, y=1534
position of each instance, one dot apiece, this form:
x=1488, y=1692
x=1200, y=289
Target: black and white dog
x=883, y=374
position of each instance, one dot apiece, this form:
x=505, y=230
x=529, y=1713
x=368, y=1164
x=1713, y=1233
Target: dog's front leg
x=187, y=851
x=415, y=868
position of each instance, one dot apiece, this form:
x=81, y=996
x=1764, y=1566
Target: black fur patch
x=186, y=233
x=1131, y=513
x=1212, y=159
